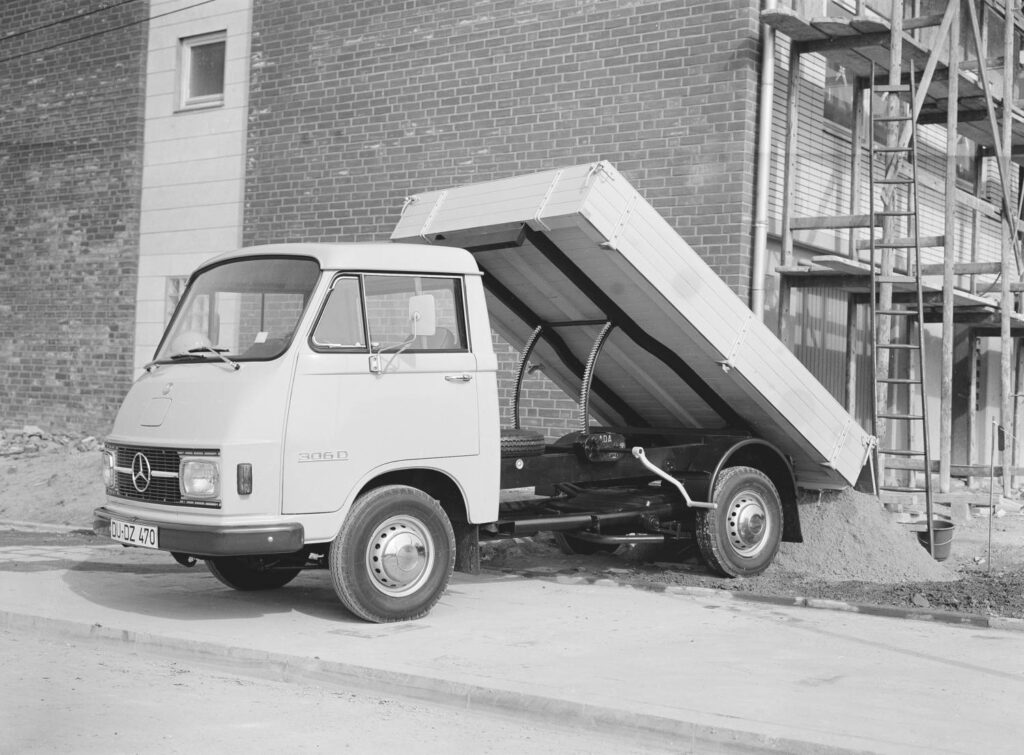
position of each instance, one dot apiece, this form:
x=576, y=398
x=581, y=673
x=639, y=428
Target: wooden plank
x=975, y=498
x=844, y=264
x=869, y=25
x=922, y=22
x=956, y=470
x=924, y=242
x=964, y=268
x=832, y=221
x=834, y=27
x=788, y=22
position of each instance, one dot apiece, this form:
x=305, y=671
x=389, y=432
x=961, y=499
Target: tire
x=249, y=573
x=518, y=443
x=741, y=536
x=394, y=555
x=574, y=546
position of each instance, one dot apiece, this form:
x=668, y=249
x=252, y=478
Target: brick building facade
x=71, y=124
x=355, y=106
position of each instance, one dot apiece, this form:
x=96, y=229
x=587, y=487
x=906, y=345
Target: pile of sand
x=51, y=487
x=850, y=536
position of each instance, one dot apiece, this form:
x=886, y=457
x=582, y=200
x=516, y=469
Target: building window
x=173, y=291
x=201, y=70
x=838, y=95
x=968, y=163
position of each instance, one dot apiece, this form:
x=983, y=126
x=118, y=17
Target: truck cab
x=291, y=381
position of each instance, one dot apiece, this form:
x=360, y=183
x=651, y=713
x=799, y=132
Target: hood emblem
x=142, y=474
x=167, y=388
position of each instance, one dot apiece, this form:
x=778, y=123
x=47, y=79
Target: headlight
x=109, y=476
x=200, y=478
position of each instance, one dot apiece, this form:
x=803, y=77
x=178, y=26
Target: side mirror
x=422, y=316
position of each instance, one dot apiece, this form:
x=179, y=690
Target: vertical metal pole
x=856, y=160
x=948, y=258
x=789, y=180
x=1010, y=231
x=991, y=491
x=972, y=399
x=792, y=133
x=765, y=117
x=851, y=355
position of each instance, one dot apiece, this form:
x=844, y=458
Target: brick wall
x=70, y=164
x=356, y=105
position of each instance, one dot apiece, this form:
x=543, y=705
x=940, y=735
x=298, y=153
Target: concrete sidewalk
x=701, y=672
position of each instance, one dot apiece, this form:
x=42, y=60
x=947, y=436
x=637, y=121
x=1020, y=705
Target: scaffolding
x=961, y=59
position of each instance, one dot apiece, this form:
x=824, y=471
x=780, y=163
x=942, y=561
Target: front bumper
x=214, y=540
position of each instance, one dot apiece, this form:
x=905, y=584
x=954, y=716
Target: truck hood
x=206, y=404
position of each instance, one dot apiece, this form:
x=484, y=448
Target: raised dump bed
x=573, y=250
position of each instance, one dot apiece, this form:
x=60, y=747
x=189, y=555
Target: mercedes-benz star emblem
x=141, y=473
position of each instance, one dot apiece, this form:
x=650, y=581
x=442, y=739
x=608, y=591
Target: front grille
x=160, y=485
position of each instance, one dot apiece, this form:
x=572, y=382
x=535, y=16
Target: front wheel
x=394, y=555
x=741, y=536
x=251, y=572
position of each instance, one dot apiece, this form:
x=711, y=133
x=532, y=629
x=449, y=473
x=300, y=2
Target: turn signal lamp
x=243, y=475
x=109, y=476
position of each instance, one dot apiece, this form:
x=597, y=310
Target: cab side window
x=387, y=311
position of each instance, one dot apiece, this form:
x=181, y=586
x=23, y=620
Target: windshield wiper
x=219, y=353
x=198, y=351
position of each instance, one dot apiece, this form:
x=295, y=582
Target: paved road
x=79, y=696
x=696, y=670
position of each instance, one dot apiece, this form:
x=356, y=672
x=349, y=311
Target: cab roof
x=371, y=256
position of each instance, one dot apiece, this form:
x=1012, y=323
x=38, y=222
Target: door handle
x=458, y=378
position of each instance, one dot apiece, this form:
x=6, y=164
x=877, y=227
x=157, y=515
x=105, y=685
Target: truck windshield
x=244, y=310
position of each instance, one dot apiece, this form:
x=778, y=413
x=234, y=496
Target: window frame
x=186, y=45
x=461, y=314
x=240, y=357
x=324, y=348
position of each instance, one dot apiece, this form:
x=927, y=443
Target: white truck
x=337, y=405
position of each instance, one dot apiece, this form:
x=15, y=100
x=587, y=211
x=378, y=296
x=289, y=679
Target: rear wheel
x=394, y=555
x=741, y=536
x=251, y=572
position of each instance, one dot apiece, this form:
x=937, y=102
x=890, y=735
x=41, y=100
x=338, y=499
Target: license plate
x=134, y=534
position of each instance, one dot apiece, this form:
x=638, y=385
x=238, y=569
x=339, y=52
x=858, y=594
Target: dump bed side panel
x=580, y=244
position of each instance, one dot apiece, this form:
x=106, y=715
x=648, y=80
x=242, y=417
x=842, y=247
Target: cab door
x=372, y=389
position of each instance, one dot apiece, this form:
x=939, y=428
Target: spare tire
x=516, y=443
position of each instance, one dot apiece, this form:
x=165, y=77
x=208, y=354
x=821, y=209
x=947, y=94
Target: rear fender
x=713, y=458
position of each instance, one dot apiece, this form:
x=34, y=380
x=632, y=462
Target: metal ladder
x=897, y=328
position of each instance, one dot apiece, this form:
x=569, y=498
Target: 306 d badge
x=308, y=456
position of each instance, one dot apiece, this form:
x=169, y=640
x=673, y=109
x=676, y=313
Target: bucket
x=943, y=534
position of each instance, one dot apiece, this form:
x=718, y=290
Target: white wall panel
x=194, y=170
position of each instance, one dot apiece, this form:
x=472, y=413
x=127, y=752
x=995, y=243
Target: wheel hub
x=747, y=521
x=399, y=556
